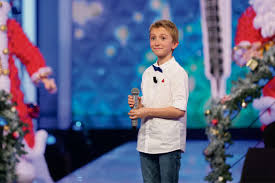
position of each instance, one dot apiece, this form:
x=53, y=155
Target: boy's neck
x=162, y=60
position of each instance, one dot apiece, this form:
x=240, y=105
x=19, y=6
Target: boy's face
x=161, y=42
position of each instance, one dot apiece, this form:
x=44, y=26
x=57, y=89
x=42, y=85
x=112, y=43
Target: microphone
x=135, y=93
x=155, y=79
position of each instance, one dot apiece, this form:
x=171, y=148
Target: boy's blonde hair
x=169, y=26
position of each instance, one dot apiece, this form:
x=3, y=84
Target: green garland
x=11, y=137
x=221, y=114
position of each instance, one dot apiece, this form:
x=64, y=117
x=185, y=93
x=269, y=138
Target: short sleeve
x=142, y=88
x=180, y=90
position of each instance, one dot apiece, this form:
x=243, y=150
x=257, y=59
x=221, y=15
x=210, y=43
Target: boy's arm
x=178, y=107
x=167, y=112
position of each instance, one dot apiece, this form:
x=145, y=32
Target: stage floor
x=121, y=165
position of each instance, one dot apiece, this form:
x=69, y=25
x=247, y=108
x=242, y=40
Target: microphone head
x=135, y=91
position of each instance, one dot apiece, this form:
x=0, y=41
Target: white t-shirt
x=169, y=88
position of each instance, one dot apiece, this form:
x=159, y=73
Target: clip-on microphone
x=155, y=79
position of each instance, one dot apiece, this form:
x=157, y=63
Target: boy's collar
x=166, y=64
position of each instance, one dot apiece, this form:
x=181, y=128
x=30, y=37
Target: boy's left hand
x=138, y=113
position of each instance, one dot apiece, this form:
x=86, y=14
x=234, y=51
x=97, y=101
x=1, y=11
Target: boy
x=162, y=108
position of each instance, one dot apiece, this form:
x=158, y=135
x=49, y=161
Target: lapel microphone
x=155, y=79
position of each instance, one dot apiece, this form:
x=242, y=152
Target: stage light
x=77, y=125
x=51, y=139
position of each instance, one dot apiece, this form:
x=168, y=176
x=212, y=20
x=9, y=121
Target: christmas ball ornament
x=3, y=122
x=5, y=72
x=214, y=121
x=3, y=28
x=262, y=82
x=207, y=112
x=268, y=45
x=6, y=128
x=214, y=132
x=226, y=113
x=220, y=179
x=6, y=51
x=13, y=109
x=252, y=63
x=15, y=135
x=244, y=104
x=272, y=70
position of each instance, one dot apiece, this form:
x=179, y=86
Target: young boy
x=162, y=108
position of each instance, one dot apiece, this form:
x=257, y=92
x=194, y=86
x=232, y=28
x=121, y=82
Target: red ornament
x=15, y=135
x=214, y=121
x=162, y=81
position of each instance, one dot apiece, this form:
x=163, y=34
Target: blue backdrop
x=111, y=50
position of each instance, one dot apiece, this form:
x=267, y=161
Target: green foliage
x=221, y=114
x=11, y=137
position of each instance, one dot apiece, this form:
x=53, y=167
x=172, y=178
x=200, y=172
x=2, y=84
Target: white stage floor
x=122, y=164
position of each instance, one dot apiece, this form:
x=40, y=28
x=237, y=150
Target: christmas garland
x=222, y=112
x=11, y=137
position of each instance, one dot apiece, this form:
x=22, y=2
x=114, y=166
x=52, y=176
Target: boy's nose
x=156, y=42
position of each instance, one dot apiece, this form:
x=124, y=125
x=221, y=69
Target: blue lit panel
x=111, y=51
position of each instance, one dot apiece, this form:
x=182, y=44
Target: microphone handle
x=135, y=121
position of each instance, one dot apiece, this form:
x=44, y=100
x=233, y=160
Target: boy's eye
x=153, y=38
x=163, y=38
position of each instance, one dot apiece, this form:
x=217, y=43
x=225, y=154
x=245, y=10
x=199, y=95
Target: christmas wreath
x=221, y=114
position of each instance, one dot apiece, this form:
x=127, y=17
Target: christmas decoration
x=252, y=63
x=219, y=120
x=244, y=104
x=15, y=43
x=255, y=35
x=207, y=112
x=11, y=137
x=214, y=121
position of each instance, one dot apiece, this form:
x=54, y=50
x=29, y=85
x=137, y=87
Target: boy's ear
x=175, y=45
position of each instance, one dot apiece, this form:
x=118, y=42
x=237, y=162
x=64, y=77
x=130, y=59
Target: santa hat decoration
x=246, y=33
x=265, y=17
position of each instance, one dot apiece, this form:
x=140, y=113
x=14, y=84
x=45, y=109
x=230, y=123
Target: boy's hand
x=138, y=113
x=131, y=101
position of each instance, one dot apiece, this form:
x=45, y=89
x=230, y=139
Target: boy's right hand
x=131, y=101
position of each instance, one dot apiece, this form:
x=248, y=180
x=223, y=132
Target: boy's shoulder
x=179, y=69
x=148, y=69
